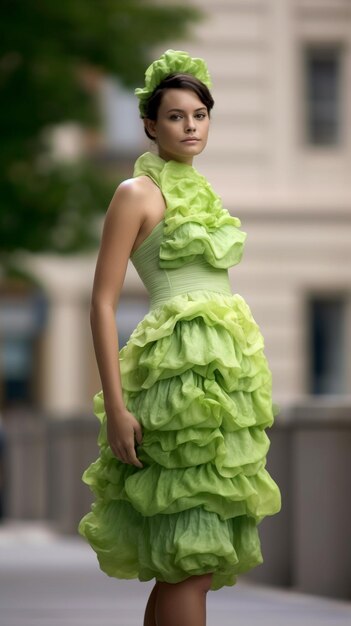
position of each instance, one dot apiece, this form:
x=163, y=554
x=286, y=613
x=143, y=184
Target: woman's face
x=182, y=126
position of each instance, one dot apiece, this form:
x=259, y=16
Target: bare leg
x=149, y=617
x=184, y=603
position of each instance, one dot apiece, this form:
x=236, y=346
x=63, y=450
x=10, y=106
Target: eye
x=200, y=116
x=175, y=116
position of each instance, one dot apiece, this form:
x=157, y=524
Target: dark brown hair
x=176, y=81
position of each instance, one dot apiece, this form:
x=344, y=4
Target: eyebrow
x=182, y=110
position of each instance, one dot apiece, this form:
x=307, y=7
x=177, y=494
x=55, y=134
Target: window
x=322, y=95
x=327, y=321
x=22, y=320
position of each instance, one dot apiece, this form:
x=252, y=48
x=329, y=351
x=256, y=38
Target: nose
x=190, y=125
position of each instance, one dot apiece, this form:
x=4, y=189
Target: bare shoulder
x=127, y=221
x=137, y=204
x=139, y=189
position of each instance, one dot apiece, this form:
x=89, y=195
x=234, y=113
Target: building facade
x=279, y=155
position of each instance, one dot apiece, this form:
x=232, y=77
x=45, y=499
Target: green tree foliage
x=44, y=46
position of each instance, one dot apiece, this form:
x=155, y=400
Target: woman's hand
x=122, y=427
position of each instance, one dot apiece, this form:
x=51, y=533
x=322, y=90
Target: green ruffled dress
x=195, y=375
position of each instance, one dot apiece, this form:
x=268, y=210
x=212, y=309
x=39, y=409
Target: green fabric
x=162, y=285
x=195, y=375
x=170, y=62
x=195, y=223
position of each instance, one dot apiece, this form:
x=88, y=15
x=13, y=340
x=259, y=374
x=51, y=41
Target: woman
x=180, y=482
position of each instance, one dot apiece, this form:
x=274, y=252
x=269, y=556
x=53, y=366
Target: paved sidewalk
x=46, y=580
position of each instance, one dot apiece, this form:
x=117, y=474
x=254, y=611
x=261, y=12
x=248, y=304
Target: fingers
x=127, y=455
x=130, y=450
x=123, y=443
x=138, y=433
x=133, y=459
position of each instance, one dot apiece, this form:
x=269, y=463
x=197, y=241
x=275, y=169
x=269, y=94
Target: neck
x=168, y=157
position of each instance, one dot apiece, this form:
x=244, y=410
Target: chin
x=193, y=149
x=181, y=152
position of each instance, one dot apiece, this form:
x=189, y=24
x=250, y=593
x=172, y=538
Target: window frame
x=307, y=47
x=310, y=296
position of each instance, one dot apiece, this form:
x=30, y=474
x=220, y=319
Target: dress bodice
x=196, y=241
x=195, y=223
x=162, y=284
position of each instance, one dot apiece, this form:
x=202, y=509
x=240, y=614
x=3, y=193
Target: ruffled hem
x=195, y=376
x=171, y=547
x=195, y=223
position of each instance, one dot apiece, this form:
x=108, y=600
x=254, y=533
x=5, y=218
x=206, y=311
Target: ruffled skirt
x=195, y=376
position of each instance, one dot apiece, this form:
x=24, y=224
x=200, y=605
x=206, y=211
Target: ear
x=150, y=126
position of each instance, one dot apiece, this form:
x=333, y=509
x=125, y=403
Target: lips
x=190, y=139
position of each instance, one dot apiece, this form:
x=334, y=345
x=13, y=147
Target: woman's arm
x=123, y=220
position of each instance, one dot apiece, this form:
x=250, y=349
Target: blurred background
x=279, y=155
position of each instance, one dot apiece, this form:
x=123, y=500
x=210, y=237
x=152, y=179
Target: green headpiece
x=171, y=61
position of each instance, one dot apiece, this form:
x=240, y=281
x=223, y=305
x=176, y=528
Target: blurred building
x=279, y=154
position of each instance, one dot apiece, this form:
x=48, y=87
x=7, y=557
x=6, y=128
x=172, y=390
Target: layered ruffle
x=195, y=222
x=188, y=544
x=212, y=333
x=195, y=376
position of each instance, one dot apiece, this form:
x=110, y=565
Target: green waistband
x=191, y=277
